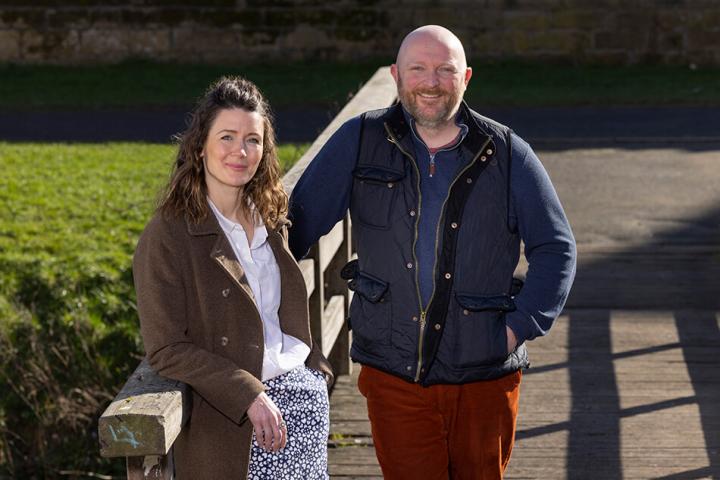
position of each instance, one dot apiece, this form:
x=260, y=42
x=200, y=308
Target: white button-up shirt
x=282, y=352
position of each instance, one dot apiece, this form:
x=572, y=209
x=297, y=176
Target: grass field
x=70, y=216
x=157, y=85
x=74, y=211
x=565, y=85
x=81, y=204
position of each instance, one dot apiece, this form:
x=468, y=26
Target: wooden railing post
x=334, y=285
x=316, y=300
x=152, y=466
x=143, y=421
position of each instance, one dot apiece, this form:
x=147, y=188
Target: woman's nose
x=240, y=148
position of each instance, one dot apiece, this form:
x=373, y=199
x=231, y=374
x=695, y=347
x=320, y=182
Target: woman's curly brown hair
x=186, y=192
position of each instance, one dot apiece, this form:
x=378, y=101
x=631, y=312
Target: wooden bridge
x=625, y=386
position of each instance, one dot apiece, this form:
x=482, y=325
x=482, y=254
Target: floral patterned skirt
x=301, y=395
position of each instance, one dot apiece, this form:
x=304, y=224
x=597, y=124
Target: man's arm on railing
x=322, y=195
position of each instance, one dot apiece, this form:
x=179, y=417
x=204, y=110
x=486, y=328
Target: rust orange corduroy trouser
x=460, y=432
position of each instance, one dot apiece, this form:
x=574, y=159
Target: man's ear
x=394, y=72
x=468, y=75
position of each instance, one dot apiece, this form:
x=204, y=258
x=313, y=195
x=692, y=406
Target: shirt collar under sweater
x=454, y=143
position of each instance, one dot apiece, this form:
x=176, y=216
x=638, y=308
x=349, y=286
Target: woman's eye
x=254, y=140
x=226, y=138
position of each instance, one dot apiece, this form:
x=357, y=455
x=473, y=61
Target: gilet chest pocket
x=374, y=192
x=370, y=308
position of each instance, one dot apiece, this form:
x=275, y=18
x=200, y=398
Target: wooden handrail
x=145, y=418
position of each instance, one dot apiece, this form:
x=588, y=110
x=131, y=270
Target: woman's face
x=232, y=150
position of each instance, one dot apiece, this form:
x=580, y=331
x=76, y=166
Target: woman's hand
x=270, y=429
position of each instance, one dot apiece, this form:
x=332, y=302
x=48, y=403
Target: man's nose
x=432, y=79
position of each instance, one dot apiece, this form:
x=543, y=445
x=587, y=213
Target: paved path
x=626, y=385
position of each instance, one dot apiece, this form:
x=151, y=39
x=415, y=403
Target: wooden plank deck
x=611, y=394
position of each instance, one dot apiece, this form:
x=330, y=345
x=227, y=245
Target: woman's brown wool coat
x=200, y=325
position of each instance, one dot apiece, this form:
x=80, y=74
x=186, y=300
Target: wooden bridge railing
x=147, y=415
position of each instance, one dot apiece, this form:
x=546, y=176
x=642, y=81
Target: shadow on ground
x=663, y=275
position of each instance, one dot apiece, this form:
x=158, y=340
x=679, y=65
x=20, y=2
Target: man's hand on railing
x=270, y=429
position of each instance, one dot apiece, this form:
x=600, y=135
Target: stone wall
x=230, y=31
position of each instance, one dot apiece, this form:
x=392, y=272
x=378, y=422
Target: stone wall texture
x=231, y=31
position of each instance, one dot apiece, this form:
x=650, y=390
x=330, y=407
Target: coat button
x=409, y=265
x=466, y=312
x=489, y=151
x=483, y=158
x=408, y=368
x=447, y=276
x=390, y=185
x=453, y=225
x=437, y=326
x=226, y=292
x=223, y=341
x=415, y=319
x=468, y=180
x=412, y=213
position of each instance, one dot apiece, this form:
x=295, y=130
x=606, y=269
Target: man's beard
x=434, y=118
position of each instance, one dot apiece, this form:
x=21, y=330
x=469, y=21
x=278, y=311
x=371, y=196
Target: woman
x=208, y=273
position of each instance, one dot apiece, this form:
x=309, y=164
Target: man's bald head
x=432, y=35
x=431, y=73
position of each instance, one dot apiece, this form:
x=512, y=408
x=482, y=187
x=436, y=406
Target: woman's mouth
x=236, y=167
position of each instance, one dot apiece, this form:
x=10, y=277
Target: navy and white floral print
x=301, y=395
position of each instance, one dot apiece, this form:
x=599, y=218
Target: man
x=440, y=198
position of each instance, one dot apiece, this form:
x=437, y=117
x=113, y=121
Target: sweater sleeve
x=322, y=195
x=549, y=245
x=161, y=303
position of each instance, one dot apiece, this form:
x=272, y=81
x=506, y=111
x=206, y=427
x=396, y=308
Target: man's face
x=431, y=80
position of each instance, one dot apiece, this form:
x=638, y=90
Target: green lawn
x=70, y=216
x=515, y=84
x=158, y=85
x=75, y=211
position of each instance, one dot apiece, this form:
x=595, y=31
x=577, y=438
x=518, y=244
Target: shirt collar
x=228, y=226
x=459, y=117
